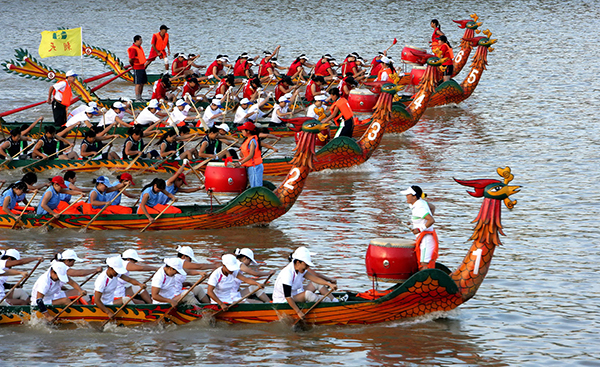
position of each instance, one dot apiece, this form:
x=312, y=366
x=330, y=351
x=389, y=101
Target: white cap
x=246, y=252
x=117, y=264
x=216, y=102
x=93, y=104
x=288, y=95
x=187, y=251
x=408, y=191
x=180, y=102
x=12, y=253
x=230, y=262
x=303, y=57
x=71, y=73
x=302, y=254
x=69, y=255
x=131, y=254
x=321, y=97
x=90, y=110
x=223, y=126
x=245, y=101
x=176, y=263
x=183, y=55
x=283, y=99
x=153, y=103
x=218, y=96
x=118, y=104
x=223, y=59
x=61, y=270
x=384, y=59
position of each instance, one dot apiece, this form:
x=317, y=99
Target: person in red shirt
x=215, y=69
x=284, y=86
x=326, y=69
x=179, y=65
x=191, y=87
x=162, y=89
x=252, y=89
x=264, y=63
x=350, y=67
x=446, y=50
x=341, y=108
x=313, y=88
x=225, y=85
x=138, y=62
x=346, y=85
x=296, y=70
x=243, y=66
x=437, y=33
x=160, y=46
x=270, y=70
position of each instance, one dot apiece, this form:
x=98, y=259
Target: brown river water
x=534, y=110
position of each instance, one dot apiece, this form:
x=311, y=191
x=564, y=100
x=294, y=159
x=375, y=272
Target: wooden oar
x=45, y=158
x=267, y=155
x=6, y=161
x=61, y=213
x=210, y=159
x=191, y=101
x=22, y=281
x=170, y=118
x=300, y=323
x=243, y=298
x=185, y=67
x=158, y=216
x=157, y=164
x=132, y=110
x=127, y=302
x=75, y=300
x=24, y=209
x=182, y=298
x=103, y=209
x=138, y=156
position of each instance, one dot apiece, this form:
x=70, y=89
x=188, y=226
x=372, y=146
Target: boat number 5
x=417, y=102
x=293, y=177
x=373, y=133
x=477, y=253
x=473, y=76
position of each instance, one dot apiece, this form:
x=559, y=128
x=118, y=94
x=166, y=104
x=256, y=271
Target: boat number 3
x=473, y=76
x=459, y=56
x=477, y=253
x=417, y=102
x=293, y=177
x=373, y=133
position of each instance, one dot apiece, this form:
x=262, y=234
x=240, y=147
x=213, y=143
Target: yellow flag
x=65, y=42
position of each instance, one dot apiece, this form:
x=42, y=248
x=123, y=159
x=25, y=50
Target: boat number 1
x=293, y=177
x=473, y=76
x=417, y=102
x=373, y=133
x=477, y=261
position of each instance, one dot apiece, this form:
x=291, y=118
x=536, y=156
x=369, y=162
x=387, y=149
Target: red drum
x=391, y=259
x=225, y=179
x=416, y=74
x=362, y=100
x=414, y=55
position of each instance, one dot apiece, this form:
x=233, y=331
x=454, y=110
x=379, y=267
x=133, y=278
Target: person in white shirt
x=280, y=110
x=179, y=115
x=422, y=222
x=115, y=114
x=166, y=288
x=83, y=117
x=212, y=113
x=317, y=109
x=242, y=113
x=130, y=259
x=81, y=108
x=191, y=264
x=246, y=258
x=255, y=109
x=48, y=285
x=148, y=115
x=289, y=285
x=108, y=281
x=222, y=285
x=8, y=259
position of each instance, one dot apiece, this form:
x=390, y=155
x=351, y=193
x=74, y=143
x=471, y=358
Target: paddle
x=64, y=210
x=100, y=151
x=158, y=216
x=157, y=164
x=22, y=281
x=132, y=110
x=393, y=43
x=127, y=302
x=210, y=159
x=300, y=323
x=138, y=156
x=170, y=118
x=24, y=209
x=243, y=298
x=182, y=298
x=191, y=101
x=6, y=161
x=82, y=230
x=75, y=300
x=45, y=158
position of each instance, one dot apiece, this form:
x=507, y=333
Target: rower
x=386, y=71
x=376, y=64
x=49, y=204
x=107, y=283
x=283, y=87
x=264, y=74
x=92, y=144
x=83, y=117
x=59, y=96
x=166, y=287
x=69, y=257
x=150, y=197
x=190, y=88
x=131, y=259
x=171, y=146
x=215, y=69
x=225, y=84
x=280, y=110
x=211, y=146
x=241, y=114
x=30, y=179
x=161, y=89
x=223, y=287
x=243, y=66
x=296, y=69
x=349, y=67
x=289, y=285
x=8, y=259
x=99, y=198
x=115, y=114
x=48, y=286
x=134, y=144
x=148, y=115
x=313, y=88
x=191, y=264
x=252, y=89
x=82, y=108
x=11, y=196
x=246, y=258
x=325, y=69
x=123, y=179
x=51, y=143
x=346, y=85
x=341, y=108
x=179, y=65
x=179, y=115
x=160, y=43
x=174, y=185
x=70, y=178
x=212, y=113
x=14, y=144
x=318, y=108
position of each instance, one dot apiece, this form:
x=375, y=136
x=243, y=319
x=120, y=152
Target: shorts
x=140, y=76
x=449, y=70
x=427, y=246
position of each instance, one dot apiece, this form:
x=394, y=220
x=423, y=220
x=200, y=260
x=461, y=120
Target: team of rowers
x=115, y=284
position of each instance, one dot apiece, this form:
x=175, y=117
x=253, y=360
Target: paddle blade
x=395, y=41
x=301, y=326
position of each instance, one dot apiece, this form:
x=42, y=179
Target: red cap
x=60, y=181
x=182, y=178
x=127, y=177
x=247, y=126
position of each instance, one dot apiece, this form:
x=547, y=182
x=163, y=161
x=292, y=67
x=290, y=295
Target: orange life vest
x=245, y=148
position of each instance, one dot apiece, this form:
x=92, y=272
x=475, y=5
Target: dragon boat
x=257, y=205
x=423, y=292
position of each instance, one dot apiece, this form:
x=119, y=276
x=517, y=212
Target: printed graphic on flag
x=64, y=42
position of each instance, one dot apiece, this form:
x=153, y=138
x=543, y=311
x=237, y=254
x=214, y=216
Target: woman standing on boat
x=251, y=158
x=437, y=32
x=446, y=53
x=426, y=246
x=150, y=199
x=8, y=259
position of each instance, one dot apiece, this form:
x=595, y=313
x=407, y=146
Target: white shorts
x=427, y=247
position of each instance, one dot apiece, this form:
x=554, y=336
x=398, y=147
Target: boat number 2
x=477, y=261
x=417, y=102
x=373, y=133
x=293, y=177
x=473, y=76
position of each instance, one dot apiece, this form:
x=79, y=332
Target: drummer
x=223, y=287
x=8, y=259
x=289, y=284
x=131, y=259
x=427, y=244
x=48, y=286
x=150, y=197
x=107, y=282
x=165, y=286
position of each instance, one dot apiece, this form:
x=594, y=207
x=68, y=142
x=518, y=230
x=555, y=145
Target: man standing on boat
x=160, y=43
x=138, y=62
x=341, y=108
x=426, y=246
x=59, y=96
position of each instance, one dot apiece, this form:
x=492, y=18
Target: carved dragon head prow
x=305, y=148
